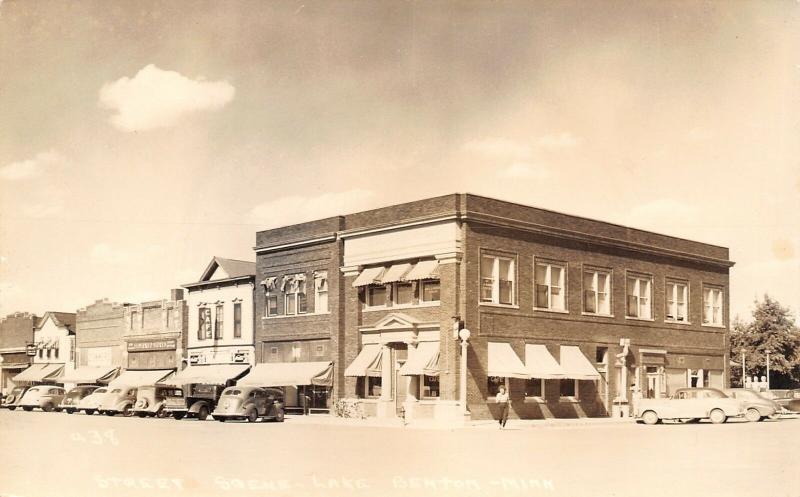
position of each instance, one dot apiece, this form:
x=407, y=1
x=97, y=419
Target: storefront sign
x=30, y=349
x=146, y=346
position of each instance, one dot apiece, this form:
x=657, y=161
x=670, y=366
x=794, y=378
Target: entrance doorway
x=655, y=382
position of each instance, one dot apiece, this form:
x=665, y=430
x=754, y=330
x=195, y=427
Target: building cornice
x=264, y=249
x=438, y=218
x=249, y=278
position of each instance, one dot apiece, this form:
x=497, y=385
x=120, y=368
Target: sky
x=139, y=139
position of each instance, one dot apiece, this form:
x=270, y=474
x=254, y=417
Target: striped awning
x=40, y=372
x=504, y=362
x=367, y=363
x=541, y=364
x=395, y=273
x=424, y=359
x=423, y=270
x=284, y=374
x=575, y=365
x=369, y=276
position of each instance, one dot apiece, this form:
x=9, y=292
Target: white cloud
x=29, y=168
x=560, y=140
x=524, y=170
x=297, y=208
x=155, y=98
x=499, y=147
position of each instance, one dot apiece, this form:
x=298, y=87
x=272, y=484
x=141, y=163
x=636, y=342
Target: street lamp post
x=744, y=372
x=464, y=336
x=767, y=351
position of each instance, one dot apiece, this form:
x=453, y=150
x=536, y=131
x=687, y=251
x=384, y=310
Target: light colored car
x=11, y=401
x=757, y=406
x=91, y=402
x=69, y=403
x=45, y=397
x=118, y=400
x=250, y=403
x=150, y=400
x=690, y=404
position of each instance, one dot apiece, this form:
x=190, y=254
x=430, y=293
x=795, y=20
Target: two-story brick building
x=574, y=316
x=98, y=342
x=16, y=332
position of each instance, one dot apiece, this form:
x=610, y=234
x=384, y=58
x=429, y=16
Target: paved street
x=51, y=454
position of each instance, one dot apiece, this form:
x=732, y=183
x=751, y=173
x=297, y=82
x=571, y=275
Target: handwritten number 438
x=95, y=437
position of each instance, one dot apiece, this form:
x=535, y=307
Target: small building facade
x=98, y=340
x=16, y=332
x=54, y=343
x=575, y=317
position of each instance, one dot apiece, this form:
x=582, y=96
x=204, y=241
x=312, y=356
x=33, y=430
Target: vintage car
x=150, y=400
x=11, y=401
x=71, y=400
x=790, y=401
x=757, y=407
x=689, y=404
x=91, y=402
x=250, y=403
x=45, y=397
x=118, y=400
x=194, y=400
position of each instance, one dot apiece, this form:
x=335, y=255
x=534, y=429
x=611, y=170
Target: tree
x=772, y=329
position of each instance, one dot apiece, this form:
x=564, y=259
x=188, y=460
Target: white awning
x=140, y=378
x=40, y=372
x=210, y=374
x=575, y=365
x=369, y=276
x=504, y=362
x=422, y=360
x=284, y=374
x=395, y=273
x=89, y=374
x=423, y=270
x=541, y=364
x=367, y=363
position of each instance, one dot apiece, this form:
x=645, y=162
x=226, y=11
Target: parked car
x=690, y=404
x=194, y=400
x=250, y=403
x=71, y=400
x=11, y=401
x=790, y=401
x=150, y=400
x=119, y=400
x=45, y=397
x=91, y=402
x=757, y=407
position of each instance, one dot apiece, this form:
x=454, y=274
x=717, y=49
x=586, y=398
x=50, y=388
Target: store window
x=568, y=389
x=374, y=386
x=429, y=290
x=597, y=292
x=695, y=378
x=639, y=292
x=219, y=321
x=677, y=295
x=493, y=384
x=321, y=292
x=497, y=279
x=237, y=320
x=550, y=286
x=534, y=387
x=430, y=387
x=712, y=306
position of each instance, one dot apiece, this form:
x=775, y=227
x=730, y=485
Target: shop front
x=11, y=364
x=153, y=354
x=306, y=384
x=657, y=373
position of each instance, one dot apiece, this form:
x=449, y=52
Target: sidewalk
x=431, y=424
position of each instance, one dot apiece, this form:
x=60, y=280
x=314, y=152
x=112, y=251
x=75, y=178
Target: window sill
x=596, y=315
x=633, y=318
x=545, y=309
x=429, y=400
x=404, y=306
x=502, y=306
x=535, y=400
x=675, y=321
x=569, y=400
x=285, y=316
x=711, y=325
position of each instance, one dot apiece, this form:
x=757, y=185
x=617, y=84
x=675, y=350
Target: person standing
x=502, y=400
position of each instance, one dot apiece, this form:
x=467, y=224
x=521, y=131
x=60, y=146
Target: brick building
x=98, y=341
x=576, y=317
x=16, y=331
x=54, y=344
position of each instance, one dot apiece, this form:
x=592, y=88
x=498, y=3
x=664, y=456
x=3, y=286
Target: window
x=694, y=378
x=597, y=292
x=429, y=290
x=134, y=320
x=218, y=321
x=237, y=320
x=403, y=293
x=56, y=353
x=272, y=304
x=549, y=282
x=534, y=387
x=170, y=312
x=295, y=301
x=601, y=355
x=712, y=306
x=493, y=384
x=273, y=351
x=430, y=387
x=49, y=351
x=302, y=298
x=497, y=280
x=41, y=353
x=677, y=294
x=374, y=386
x=321, y=292
x=204, y=323
x=376, y=296
x=639, y=292
x=568, y=389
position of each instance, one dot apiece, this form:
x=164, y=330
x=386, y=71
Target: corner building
x=576, y=317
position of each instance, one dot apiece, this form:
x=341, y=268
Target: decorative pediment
x=398, y=321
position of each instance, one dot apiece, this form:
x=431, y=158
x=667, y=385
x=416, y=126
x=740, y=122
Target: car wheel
x=178, y=415
x=109, y=413
x=752, y=415
x=251, y=415
x=11, y=408
x=127, y=411
x=202, y=414
x=69, y=411
x=141, y=414
x=650, y=418
x=221, y=420
x=161, y=413
x=717, y=416
x=47, y=407
x=89, y=411
x=27, y=408
x=279, y=416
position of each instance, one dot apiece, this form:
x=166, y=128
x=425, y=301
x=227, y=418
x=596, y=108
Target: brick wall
x=17, y=329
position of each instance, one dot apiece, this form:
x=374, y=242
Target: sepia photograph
x=399, y=248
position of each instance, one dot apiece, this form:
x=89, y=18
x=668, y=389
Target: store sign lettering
x=152, y=345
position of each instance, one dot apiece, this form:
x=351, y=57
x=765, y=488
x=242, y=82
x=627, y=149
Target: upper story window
x=376, y=296
x=497, y=279
x=295, y=300
x=429, y=290
x=597, y=292
x=134, y=320
x=219, y=317
x=712, y=305
x=237, y=320
x=639, y=293
x=550, y=286
x=204, y=323
x=321, y=292
x=677, y=296
x=403, y=293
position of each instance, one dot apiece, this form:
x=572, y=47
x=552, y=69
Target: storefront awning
x=40, y=372
x=541, y=364
x=369, y=276
x=423, y=270
x=395, y=273
x=211, y=374
x=575, y=365
x=139, y=378
x=422, y=360
x=284, y=374
x=367, y=363
x=504, y=362
x=90, y=374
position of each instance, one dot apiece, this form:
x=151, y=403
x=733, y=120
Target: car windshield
x=172, y=392
x=101, y=390
x=232, y=392
x=116, y=390
x=17, y=390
